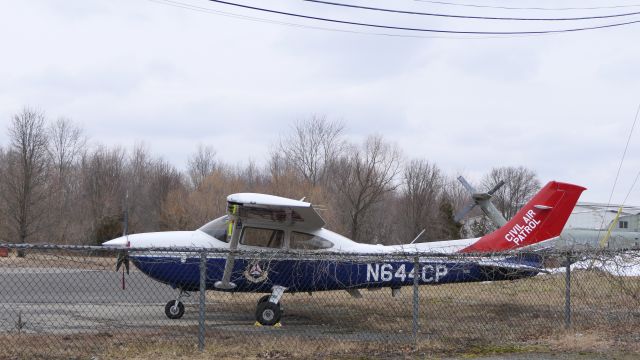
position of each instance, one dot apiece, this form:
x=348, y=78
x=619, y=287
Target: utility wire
x=403, y=28
x=202, y=9
x=631, y=188
x=528, y=8
x=472, y=17
x=624, y=153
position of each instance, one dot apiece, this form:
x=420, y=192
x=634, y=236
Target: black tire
x=268, y=313
x=263, y=299
x=174, y=312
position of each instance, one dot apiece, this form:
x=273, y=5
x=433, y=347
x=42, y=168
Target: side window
x=308, y=242
x=268, y=238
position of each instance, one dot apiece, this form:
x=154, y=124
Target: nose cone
x=117, y=242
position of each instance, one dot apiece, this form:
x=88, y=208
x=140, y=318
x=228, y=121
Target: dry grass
x=516, y=310
x=59, y=259
x=158, y=346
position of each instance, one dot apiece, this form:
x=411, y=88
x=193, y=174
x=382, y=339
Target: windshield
x=216, y=228
x=308, y=242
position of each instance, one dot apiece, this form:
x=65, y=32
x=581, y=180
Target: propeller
x=481, y=199
x=123, y=255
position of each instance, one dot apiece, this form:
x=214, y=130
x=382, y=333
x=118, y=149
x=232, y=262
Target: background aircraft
x=267, y=224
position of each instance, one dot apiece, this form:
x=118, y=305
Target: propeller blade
x=466, y=185
x=123, y=259
x=461, y=214
x=496, y=188
x=119, y=261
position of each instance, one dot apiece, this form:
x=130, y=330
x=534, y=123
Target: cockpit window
x=262, y=237
x=308, y=242
x=217, y=228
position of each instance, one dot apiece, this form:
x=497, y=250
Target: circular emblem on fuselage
x=257, y=271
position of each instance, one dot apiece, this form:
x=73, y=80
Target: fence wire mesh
x=62, y=301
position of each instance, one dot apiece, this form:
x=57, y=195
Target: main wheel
x=263, y=299
x=174, y=310
x=268, y=313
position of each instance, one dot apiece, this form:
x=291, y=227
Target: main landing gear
x=269, y=311
x=175, y=308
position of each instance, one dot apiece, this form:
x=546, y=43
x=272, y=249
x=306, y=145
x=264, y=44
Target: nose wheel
x=268, y=310
x=175, y=308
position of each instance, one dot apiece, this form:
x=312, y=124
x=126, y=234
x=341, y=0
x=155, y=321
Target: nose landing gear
x=175, y=308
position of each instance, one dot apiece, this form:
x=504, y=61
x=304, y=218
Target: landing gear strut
x=175, y=308
x=269, y=311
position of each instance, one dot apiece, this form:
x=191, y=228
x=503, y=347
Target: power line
x=528, y=8
x=201, y=9
x=631, y=188
x=624, y=153
x=470, y=16
x=403, y=28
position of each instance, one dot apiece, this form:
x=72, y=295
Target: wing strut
x=235, y=227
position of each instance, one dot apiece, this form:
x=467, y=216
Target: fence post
x=416, y=308
x=567, y=293
x=201, y=306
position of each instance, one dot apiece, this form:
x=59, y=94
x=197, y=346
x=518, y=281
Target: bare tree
x=284, y=179
x=253, y=176
x=312, y=144
x=361, y=178
x=164, y=179
x=102, y=180
x=4, y=225
x=137, y=189
x=210, y=199
x=25, y=175
x=520, y=185
x=447, y=227
x=201, y=164
x=66, y=143
x=419, y=199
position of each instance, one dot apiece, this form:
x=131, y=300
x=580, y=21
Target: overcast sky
x=144, y=71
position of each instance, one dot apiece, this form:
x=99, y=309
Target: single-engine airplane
x=266, y=223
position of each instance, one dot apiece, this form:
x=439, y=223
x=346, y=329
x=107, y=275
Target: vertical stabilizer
x=542, y=218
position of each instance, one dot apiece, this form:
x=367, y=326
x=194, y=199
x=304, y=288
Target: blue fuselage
x=251, y=275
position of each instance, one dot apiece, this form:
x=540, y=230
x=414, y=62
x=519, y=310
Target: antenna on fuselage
x=418, y=237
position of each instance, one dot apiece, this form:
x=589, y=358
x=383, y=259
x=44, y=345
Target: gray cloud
x=139, y=71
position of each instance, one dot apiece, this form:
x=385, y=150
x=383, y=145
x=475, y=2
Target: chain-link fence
x=61, y=301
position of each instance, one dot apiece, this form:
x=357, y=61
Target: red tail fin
x=540, y=219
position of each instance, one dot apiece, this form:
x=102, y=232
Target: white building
x=594, y=216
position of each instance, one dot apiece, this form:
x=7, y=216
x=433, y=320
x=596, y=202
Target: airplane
x=257, y=227
x=616, y=234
